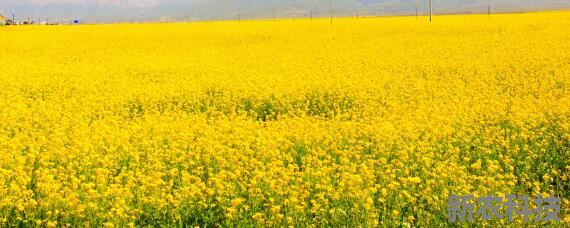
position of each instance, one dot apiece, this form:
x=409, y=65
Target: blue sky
x=124, y=10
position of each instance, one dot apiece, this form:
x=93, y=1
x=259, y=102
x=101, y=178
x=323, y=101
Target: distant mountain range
x=171, y=10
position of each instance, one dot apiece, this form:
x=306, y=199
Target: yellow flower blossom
x=359, y=123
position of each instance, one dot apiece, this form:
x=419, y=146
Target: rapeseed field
x=369, y=122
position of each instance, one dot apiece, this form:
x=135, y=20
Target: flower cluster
x=369, y=122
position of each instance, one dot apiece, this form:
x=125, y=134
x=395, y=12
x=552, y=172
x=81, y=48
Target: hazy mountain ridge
x=124, y=10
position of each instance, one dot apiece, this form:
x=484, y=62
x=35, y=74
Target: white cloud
x=108, y=3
